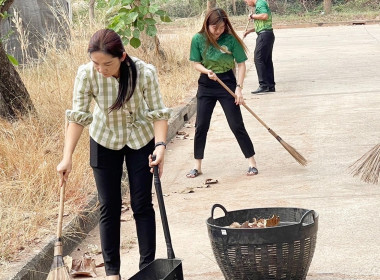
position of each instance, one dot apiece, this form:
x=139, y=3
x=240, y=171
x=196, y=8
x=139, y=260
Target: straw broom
x=368, y=166
x=296, y=155
x=58, y=270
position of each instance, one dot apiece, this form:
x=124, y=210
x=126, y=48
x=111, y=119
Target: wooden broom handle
x=61, y=207
x=245, y=105
x=249, y=20
x=246, y=27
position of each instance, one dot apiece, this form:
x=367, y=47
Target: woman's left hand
x=159, y=152
x=239, y=100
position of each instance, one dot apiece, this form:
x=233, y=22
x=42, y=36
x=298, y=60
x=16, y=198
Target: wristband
x=160, y=144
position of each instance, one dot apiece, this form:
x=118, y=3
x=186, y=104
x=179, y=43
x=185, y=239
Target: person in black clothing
x=264, y=45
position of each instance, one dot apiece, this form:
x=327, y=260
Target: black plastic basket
x=281, y=252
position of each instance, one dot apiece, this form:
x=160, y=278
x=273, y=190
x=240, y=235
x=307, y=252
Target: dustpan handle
x=164, y=219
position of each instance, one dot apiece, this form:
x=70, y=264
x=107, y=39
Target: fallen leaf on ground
x=94, y=249
x=203, y=186
x=83, y=267
x=211, y=181
x=100, y=265
x=188, y=190
x=182, y=133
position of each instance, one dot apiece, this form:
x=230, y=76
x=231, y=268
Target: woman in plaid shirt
x=128, y=124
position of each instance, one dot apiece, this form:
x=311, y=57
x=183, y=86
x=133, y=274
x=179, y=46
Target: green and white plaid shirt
x=131, y=125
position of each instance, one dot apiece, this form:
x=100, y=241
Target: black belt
x=265, y=30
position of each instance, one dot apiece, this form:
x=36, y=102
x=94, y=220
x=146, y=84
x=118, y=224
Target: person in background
x=128, y=125
x=214, y=51
x=264, y=45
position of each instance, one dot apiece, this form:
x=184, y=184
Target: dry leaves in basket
x=257, y=223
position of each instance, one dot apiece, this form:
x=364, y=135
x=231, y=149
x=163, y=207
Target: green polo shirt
x=263, y=8
x=214, y=59
x=131, y=125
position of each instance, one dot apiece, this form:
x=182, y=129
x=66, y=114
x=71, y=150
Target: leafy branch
x=129, y=18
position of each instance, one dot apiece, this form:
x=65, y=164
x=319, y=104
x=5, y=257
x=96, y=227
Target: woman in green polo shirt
x=214, y=51
x=128, y=124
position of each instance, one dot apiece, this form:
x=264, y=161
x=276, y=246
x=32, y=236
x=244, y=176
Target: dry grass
x=30, y=149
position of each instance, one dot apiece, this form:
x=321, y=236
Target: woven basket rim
x=289, y=224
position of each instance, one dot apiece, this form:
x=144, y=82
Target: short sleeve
x=238, y=52
x=195, y=50
x=262, y=8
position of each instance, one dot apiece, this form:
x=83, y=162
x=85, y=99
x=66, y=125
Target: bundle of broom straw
x=368, y=166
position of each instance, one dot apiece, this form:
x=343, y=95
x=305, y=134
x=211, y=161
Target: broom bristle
x=368, y=166
x=296, y=155
x=58, y=270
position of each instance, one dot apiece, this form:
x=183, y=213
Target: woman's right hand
x=211, y=75
x=64, y=169
x=247, y=32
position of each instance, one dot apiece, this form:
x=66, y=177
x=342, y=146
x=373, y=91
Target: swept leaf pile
x=258, y=223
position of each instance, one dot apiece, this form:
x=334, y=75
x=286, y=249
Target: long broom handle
x=62, y=196
x=297, y=156
x=249, y=20
x=249, y=110
x=245, y=105
x=246, y=27
x=61, y=207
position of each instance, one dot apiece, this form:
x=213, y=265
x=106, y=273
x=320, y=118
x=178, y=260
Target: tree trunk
x=211, y=4
x=149, y=44
x=92, y=11
x=234, y=7
x=14, y=98
x=327, y=6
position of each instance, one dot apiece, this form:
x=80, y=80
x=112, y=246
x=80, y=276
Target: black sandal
x=252, y=171
x=193, y=173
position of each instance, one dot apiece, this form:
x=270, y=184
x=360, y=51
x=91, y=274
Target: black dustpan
x=162, y=269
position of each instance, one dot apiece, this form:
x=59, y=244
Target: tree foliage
x=129, y=18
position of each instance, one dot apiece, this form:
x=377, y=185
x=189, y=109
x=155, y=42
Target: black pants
x=263, y=58
x=107, y=167
x=206, y=101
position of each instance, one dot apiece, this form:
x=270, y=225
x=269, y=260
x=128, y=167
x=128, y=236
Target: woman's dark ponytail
x=127, y=83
